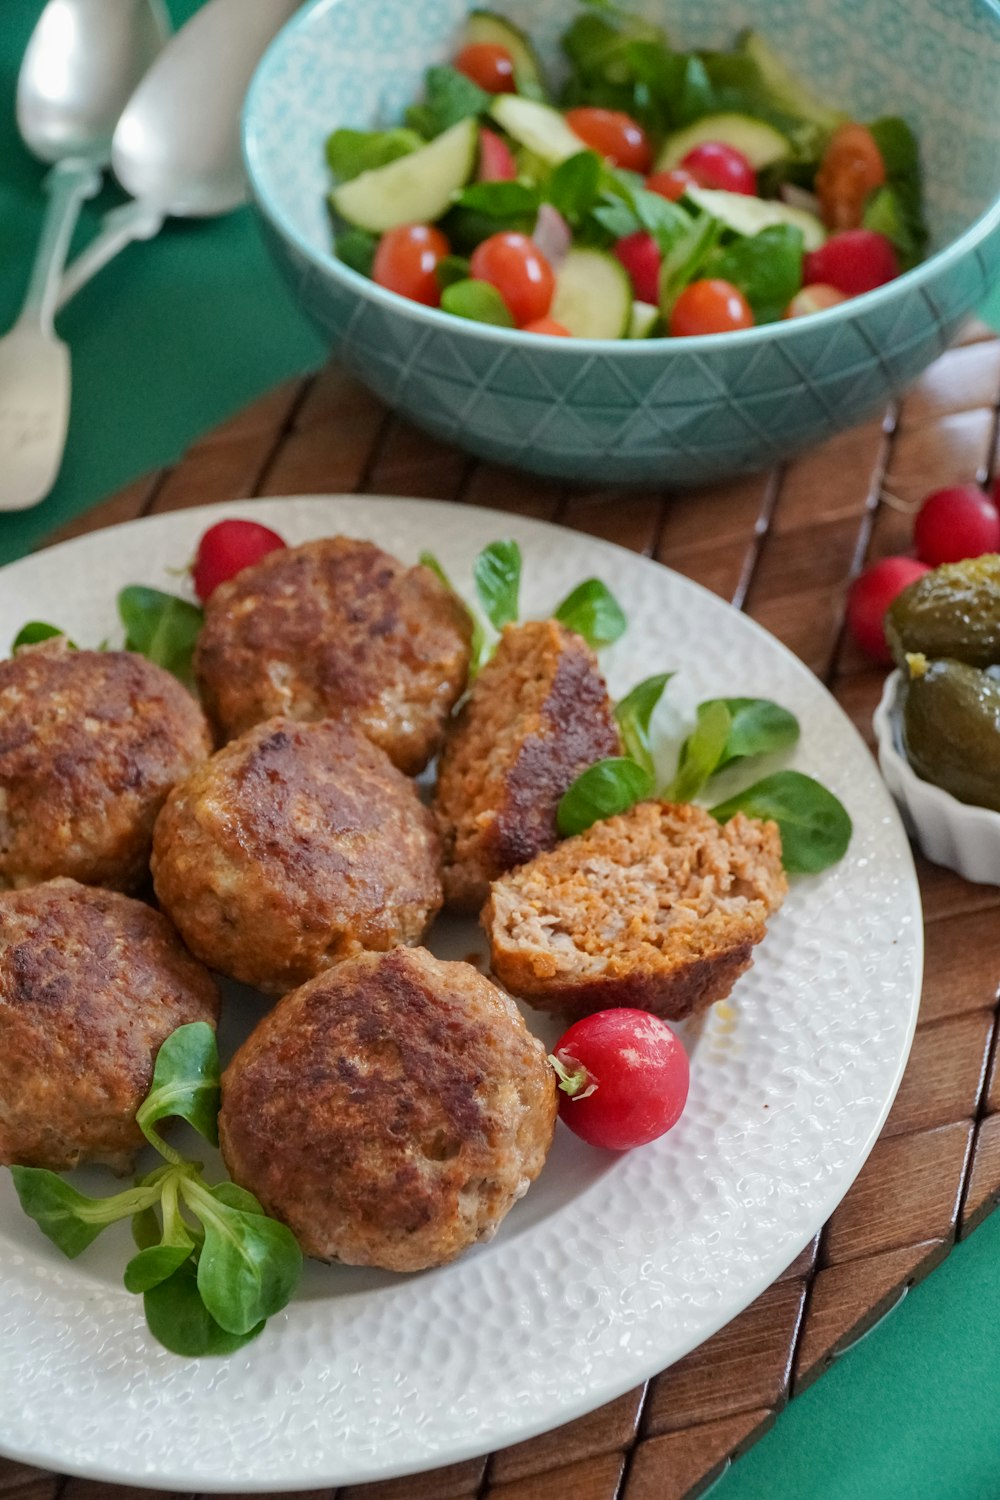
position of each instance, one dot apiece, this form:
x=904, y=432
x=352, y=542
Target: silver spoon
x=84, y=59
x=176, y=147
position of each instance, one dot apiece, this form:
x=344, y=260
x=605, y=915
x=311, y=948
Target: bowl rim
x=785, y=332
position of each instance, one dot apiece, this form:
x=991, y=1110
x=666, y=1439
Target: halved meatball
x=293, y=848
x=91, y=985
x=658, y=908
x=390, y=1112
x=90, y=744
x=337, y=627
x=538, y=715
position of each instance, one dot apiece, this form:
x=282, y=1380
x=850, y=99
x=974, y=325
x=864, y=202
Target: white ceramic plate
x=612, y=1267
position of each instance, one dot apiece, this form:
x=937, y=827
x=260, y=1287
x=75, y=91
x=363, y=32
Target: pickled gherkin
x=951, y=726
x=952, y=612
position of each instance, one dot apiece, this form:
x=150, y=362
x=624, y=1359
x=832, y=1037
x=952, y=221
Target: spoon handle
x=119, y=227
x=68, y=184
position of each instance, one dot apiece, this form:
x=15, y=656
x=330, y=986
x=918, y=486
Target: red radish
x=226, y=549
x=496, y=159
x=624, y=1078
x=716, y=165
x=955, y=523
x=856, y=261
x=673, y=184
x=871, y=594
x=812, y=299
x=548, y=325
x=640, y=255
x=552, y=235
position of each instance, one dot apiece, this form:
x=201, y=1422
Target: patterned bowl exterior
x=654, y=411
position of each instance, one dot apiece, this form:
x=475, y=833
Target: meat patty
x=538, y=715
x=390, y=1112
x=293, y=848
x=337, y=627
x=658, y=908
x=91, y=984
x=90, y=744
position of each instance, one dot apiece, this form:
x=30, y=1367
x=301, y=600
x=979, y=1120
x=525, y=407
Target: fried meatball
x=90, y=744
x=658, y=908
x=538, y=715
x=293, y=848
x=390, y=1112
x=337, y=627
x=91, y=984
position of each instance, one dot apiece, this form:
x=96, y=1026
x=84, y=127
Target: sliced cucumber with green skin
x=538, y=126
x=414, y=189
x=485, y=26
x=643, y=320
x=787, y=91
x=750, y=215
x=593, y=296
x=761, y=144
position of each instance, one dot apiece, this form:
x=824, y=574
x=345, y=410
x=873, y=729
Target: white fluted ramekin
x=965, y=839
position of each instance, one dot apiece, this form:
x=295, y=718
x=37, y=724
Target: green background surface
x=166, y=342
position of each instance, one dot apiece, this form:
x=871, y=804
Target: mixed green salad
x=656, y=192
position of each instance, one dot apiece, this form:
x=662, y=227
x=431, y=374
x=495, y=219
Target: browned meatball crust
x=390, y=1112
x=337, y=627
x=293, y=848
x=91, y=984
x=538, y=715
x=90, y=744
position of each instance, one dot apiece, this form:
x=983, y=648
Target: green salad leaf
x=185, y=1084
x=179, y=1320
x=634, y=713
x=478, y=300
x=351, y=152
x=815, y=826
x=685, y=260
x=897, y=209
x=500, y=200
x=702, y=751
x=757, y=727
x=497, y=576
x=356, y=248
x=603, y=789
x=767, y=268
x=575, y=186
x=593, y=612
x=37, y=631
x=161, y=627
x=449, y=97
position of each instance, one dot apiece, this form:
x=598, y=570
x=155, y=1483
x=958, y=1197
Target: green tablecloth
x=182, y=331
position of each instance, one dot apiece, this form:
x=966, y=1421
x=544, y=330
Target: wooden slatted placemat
x=783, y=546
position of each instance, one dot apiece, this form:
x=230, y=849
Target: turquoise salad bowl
x=659, y=411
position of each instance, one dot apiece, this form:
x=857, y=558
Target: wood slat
x=498, y=488
x=956, y=979
x=946, y=895
x=953, y=450
x=945, y=1074
x=15, y=1476
x=983, y=1191
x=731, y=514
x=455, y=1482
x=409, y=462
x=822, y=486
x=681, y=1465
x=127, y=505
x=633, y=521
x=593, y=1479
x=609, y=1429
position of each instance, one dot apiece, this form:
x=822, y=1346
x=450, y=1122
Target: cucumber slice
x=414, y=189
x=786, y=90
x=643, y=320
x=485, y=26
x=750, y=215
x=593, y=296
x=761, y=144
x=538, y=126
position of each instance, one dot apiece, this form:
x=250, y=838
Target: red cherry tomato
x=615, y=135
x=496, y=159
x=851, y=169
x=854, y=262
x=812, y=299
x=624, y=1078
x=715, y=165
x=871, y=594
x=406, y=262
x=226, y=549
x=517, y=268
x=549, y=326
x=489, y=65
x=673, y=184
x=955, y=523
x=640, y=255
x=713, y=306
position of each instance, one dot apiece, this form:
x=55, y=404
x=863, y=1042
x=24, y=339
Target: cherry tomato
x=517, y=268
x=549, y=326
x=854, y=262
x=496, y=159
x=615, y=135
x=673, y=184
x=871, y=594
x=812, y=299
x=713, y=306
x=489, y=65
x=226, y=549
x=624, y=1078
x=640, y=255
x=406, y=262
x=955, y=523
x=715, y=165
x=851, y=169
